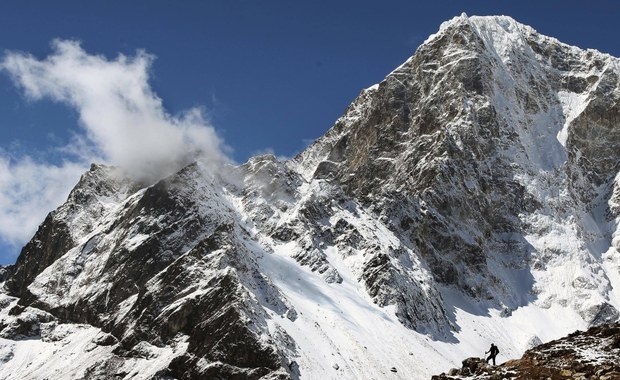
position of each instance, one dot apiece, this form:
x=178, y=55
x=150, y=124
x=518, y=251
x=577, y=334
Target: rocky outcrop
x=591, y=354
x=64, y=227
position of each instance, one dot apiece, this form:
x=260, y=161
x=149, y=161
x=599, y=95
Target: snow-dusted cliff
x=472, y=196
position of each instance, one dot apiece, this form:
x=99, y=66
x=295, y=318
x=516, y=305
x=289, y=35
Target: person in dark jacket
x=493, y=351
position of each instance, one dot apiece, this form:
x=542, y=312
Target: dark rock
x=472, y=364
x=605, y=313
x=26, y=324
x=104, y=339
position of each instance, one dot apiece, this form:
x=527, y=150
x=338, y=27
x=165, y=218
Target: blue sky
x=265, y=76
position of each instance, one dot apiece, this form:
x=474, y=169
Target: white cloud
x=123, y=123
x=122, y=117
x=28, y=191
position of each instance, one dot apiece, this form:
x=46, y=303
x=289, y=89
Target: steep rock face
x=476, y=151
x=423, y=150
x=94, y=194
x=317, y=217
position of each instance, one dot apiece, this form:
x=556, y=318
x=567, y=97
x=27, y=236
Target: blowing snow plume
x=123, y=123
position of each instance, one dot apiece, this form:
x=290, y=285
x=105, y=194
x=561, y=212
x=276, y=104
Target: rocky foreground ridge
x=584, y=355
x=471, y=196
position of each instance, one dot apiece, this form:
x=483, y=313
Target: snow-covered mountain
x=471, y=197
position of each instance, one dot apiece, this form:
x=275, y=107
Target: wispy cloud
x=123, y=122
x=123, y=119
x=28, y=190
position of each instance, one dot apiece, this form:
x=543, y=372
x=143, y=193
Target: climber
x=493, y=351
